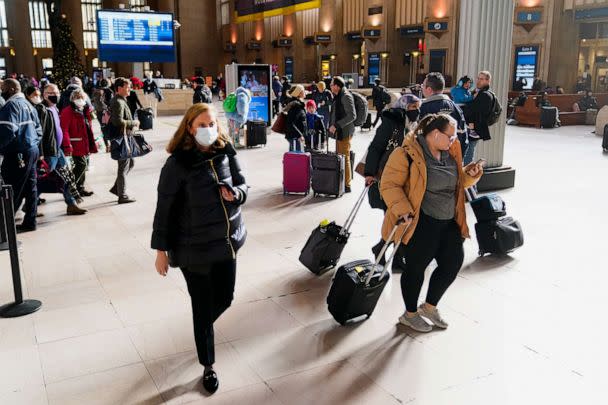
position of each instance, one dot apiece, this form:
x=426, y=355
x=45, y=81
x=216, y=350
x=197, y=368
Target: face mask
x=412, y=115
x=79, y=103
x=36, y=100
x=206, y=136
x=53, y=99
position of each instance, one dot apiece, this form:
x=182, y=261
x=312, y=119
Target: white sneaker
x=416, y=323
x=433, y=315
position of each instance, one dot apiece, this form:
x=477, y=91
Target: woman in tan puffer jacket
x=424, y=183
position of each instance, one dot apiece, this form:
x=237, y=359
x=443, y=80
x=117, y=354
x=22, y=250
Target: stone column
x=484, y=43
x=17, y=17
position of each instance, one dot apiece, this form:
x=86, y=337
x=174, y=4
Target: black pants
x=211, y=289
x=379, y=110
x=80, y=170
x=19, y=170
x=276, y=106
x=432, y=239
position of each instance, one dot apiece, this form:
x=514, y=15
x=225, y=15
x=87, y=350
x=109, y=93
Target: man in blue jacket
x=435, y=102
x=20, y=134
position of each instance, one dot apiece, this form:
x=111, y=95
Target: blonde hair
x=183, y=140
x=321, y=86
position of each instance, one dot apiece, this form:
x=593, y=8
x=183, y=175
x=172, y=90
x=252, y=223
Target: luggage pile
x=496, y=232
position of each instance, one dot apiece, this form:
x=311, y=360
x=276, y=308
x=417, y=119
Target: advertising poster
x=526, y=60
x=256, y=78
x=250, y=10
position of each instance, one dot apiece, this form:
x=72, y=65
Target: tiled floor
x=524, y=330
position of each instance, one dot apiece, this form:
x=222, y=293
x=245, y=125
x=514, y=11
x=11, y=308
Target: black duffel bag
x=129, y=147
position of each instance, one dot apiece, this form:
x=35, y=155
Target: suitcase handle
x=388, y=242
x=351, y=217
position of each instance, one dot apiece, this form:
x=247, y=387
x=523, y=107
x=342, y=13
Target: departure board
x=125, y=36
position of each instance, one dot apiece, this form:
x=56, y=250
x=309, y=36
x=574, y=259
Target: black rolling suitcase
x=256, y=133
x=146, y=118
x=496, y=233
x=328, y=174
x=605, y=140
x=358, y=285
x=326, y=243
x=368, y=123
x=548, y=117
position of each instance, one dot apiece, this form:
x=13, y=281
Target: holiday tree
x=66, y=58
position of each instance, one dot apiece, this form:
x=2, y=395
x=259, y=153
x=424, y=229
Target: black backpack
x=386, y=96
x=495, y=112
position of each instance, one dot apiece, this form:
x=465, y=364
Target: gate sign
x=526, y=61
x=250, y=10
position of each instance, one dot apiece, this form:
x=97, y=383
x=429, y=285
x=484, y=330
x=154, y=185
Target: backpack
x=495, y=112
x=386, y=96
x=230, y=103
x=360, y=108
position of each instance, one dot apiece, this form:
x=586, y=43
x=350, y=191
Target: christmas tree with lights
x=66, y=58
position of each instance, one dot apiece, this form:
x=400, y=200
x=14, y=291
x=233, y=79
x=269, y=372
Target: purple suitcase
x=296, y=172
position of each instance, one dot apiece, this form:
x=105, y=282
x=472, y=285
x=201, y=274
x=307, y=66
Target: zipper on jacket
x=217, y=178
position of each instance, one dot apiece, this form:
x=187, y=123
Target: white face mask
x=80, y=103
x=36, y=100
x=206, y=136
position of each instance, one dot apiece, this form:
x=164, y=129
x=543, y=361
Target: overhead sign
x=323, y=38
x=591, y=13
x=526, y=62
x=437, y=26
x=372, y=33
x=354, y=36
x=251, y=10
x=374, y=10
x=412, y=31
x=254, y=45
x=285, y=42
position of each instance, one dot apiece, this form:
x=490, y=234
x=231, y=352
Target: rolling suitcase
x=328, y=170
x=605, y=140
x=548, y=117
x=146, y=118
x=256, y=133
x=499, y=237
x=326, y=243
x=358, y=285
x=296, y=173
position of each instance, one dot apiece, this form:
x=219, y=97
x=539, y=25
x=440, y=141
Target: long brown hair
x=183, y=140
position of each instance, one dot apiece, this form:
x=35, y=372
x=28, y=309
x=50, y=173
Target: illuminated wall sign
x=374, y=10
x=437, y=26
x=285, y=42
x=251, y=10
x=323, y=38
x=372, y=33
x=229, y=47
x=526, y=62
x=354, y=36
x=413, y=31
x=587, y=14
x=254, y=45
x=529, y=17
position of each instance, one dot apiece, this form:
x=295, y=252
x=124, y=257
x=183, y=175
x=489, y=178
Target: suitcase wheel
x=481, y=253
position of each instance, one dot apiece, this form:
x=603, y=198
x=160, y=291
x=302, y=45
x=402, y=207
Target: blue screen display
x=373, y=67
x=529, y=16
x=135, y=37
x=257, y=80
x=526, y=60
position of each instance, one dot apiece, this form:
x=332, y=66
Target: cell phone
x=481, y=162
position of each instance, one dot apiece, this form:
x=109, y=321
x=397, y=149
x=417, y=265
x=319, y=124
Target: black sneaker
x=210, y=381
x=347, y=190
x=125, y=200
x=86, y=193
x=22, y=228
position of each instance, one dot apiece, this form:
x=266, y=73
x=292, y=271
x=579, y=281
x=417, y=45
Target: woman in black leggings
x=198, y=225
x=423, y=182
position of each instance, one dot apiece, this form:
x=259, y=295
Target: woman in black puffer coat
x=295, y=121
x=198, y=225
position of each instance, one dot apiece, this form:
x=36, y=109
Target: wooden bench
x=529, y=113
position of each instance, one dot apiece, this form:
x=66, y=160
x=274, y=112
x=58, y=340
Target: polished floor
x=527, y=329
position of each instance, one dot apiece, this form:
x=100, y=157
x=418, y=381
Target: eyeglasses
x=451, y=138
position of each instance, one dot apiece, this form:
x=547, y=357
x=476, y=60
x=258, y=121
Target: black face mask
x=412, y=115
x=53, y=99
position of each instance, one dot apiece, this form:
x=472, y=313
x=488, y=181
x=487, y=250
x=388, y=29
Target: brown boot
x=75, y=210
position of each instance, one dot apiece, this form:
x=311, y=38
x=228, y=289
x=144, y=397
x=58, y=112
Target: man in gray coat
x=342, y=123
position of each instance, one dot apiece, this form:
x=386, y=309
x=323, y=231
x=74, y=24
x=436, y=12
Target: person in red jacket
x=78, y=139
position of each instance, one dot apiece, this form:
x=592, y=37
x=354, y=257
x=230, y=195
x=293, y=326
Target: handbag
x=129, y=146
x=280, y=124
x=360, y=168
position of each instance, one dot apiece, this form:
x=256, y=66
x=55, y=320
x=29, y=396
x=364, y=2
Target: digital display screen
x=529, y=16
x=289, y=67
x=257, y=80
x=124, y=36
x=526, y=60
x=373, y=67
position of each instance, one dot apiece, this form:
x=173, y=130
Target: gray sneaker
x=433, y=315
x=416, y=323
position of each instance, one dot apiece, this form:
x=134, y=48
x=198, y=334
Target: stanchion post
x=20, y=307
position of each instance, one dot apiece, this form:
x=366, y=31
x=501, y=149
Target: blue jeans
x=469, y=152
x=59, y=161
